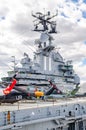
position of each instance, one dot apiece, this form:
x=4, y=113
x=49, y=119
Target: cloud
x=3, y=11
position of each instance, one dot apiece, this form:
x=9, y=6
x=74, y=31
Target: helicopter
x=59, y=94
x=37, y=93
x=13, y=93
x=17, y=93
x=8, y=89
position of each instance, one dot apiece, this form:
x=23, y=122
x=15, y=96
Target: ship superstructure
x=47, y=62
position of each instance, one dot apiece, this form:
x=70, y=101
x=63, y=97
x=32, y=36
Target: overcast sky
x=17, y=37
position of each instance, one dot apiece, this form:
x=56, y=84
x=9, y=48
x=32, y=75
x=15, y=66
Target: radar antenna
x=45, y=20
x=45, y=24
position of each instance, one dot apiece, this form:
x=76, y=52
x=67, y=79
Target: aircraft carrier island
x=48, y=64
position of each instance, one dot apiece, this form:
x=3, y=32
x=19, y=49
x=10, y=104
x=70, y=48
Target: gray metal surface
x=45, y=115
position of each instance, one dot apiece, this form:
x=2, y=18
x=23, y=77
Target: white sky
x=16, y=27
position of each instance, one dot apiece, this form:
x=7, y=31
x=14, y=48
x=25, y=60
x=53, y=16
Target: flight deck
x=26, y=104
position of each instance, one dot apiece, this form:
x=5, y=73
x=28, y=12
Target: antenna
x=14, y=61
x=45, y=21
x=45, y=24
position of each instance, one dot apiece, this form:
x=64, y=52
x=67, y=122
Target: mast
x=45, y=24
x=14, y=62
x=45, y=20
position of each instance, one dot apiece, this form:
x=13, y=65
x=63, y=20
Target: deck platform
x=66, y=114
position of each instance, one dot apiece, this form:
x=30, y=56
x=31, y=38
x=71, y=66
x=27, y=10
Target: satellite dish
x=39, y=13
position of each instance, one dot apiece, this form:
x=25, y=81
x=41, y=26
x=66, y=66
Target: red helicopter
x=7, y=90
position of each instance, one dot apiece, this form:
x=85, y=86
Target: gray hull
x=60, y=115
